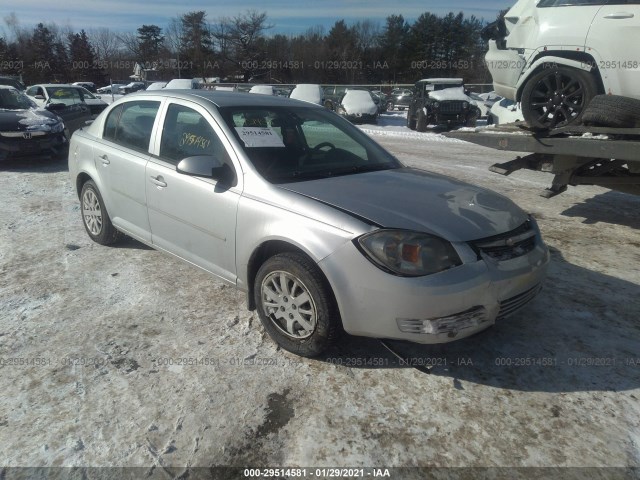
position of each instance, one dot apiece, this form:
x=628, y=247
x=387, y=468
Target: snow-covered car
x=318, y=224
x=358, y=106
x=505, y=111
x=441, y=101
x=27, y=129
x=262, y=90
x=46, y=93
x=308, y=92
x=183, y=84
x=554, y=56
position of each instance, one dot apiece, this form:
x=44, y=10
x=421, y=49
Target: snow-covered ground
x=125, y=356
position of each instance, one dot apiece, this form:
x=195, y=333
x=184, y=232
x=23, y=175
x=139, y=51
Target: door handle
x=159, y=181
x=619, y=15
x=104, y=159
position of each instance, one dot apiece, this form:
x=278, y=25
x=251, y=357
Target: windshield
x=12, y=99
x=289, y=144
x=87, y=94
x=66, y=95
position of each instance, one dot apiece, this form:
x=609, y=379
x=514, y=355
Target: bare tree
x=105, y=43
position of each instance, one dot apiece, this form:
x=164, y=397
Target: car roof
x=225, y=99
x=54, y=85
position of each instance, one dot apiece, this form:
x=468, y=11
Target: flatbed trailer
x=608, y=157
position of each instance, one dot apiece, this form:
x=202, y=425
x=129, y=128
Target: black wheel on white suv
x=557, y=96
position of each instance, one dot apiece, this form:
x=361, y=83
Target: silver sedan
x=321, y=226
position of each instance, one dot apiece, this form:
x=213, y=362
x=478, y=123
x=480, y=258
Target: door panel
x=192, y=217
x=615, y=36
x=122, y=172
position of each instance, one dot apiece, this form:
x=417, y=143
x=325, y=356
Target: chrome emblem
x=510, y=242
x=26, y=135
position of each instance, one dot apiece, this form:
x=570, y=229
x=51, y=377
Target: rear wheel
x=556, y=97
x=95, y=217
x=295, y=304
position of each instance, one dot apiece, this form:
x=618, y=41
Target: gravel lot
x=127, y=357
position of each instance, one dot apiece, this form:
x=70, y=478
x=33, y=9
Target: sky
x=286, y=16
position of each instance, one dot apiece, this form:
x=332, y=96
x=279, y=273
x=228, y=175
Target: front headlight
x=436, y=104
x=58, y=127
x=465, y=104
x=408, y=253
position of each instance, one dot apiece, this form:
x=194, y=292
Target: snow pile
x=262, y=89
x=307, y=92
x=454, y=93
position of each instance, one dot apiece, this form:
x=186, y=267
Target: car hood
x=28, y=119
x=455, y=93
x=413, y=199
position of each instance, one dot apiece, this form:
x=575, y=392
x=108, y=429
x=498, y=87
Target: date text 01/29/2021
x=302, y=472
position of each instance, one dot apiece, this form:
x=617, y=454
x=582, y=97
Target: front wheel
x=411, y=121
x=295, y=304
x=421, y=122
x=556, y=97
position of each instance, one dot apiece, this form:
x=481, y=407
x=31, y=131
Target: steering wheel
x=320, y=146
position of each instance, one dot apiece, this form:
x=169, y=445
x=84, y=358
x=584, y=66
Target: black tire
x=411, y=121
x=472, y=119
x=421, y=122
x=556, y=97
x=613, y=111
x=293, y=336
x=95, y=217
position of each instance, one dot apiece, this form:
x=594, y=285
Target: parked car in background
x=554, y=56
x=358, y=106
x=66, y=101
x=262, y=90
x=183, y=84
x=441, y=101
x=505, y=111
x=27, y=129
x=308, y=92
x=114, y=88
x=12, y=82
x=480, y=102
x=318, y=224
x=333, y=94
x=133, y=87
x=399, y=98
x=88, y=85
x=157, y=86
x=48, y=92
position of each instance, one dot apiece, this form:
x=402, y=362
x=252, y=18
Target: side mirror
x=208, y=166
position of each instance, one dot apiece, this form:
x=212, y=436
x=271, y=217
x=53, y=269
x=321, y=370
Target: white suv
x=554, y=56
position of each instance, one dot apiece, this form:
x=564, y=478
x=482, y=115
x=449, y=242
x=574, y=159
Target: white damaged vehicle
x=358, y=106
x=554, y=56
